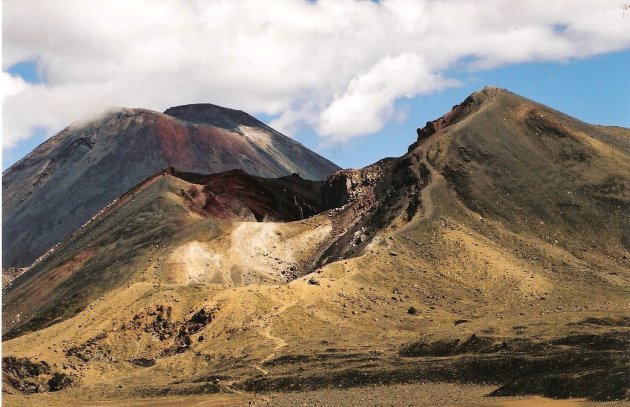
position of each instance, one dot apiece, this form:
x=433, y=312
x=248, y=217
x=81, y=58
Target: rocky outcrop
x=364, y=201
x=28, y=377
x=350, y=186
x=457, y=113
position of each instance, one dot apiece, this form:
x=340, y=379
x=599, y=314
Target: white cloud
x=337, y=66
x=368, y=103
x=12, y=85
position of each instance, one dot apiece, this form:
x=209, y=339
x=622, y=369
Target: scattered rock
x=143, y=362
x=313, y=281
x=93, y=349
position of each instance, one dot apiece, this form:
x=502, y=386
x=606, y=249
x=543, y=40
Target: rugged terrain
x=61, y=184
x=495, y=252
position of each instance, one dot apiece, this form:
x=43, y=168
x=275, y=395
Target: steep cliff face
x=351, y=185
x=67, y=179
x=227, y=194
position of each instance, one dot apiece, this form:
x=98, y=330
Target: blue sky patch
x=27, y=70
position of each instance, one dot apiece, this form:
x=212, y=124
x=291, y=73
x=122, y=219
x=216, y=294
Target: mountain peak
x=470, y=105
x=96, y=160
x=489, y=95
x=218, y=116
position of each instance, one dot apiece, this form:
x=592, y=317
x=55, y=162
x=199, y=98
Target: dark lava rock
x=32, y=377
x=59, y=381
x=450, y=347
x=23, y=367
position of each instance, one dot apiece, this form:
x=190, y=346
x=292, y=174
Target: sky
x=350, y=79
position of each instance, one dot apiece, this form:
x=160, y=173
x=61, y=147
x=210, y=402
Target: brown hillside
x=495, y=252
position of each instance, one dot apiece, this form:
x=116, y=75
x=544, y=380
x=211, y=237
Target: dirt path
x=426, y=198
x=280, y=343
x=266, y=332
x=425, y=194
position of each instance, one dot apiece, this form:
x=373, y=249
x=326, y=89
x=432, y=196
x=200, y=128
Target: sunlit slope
x=168, y=230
